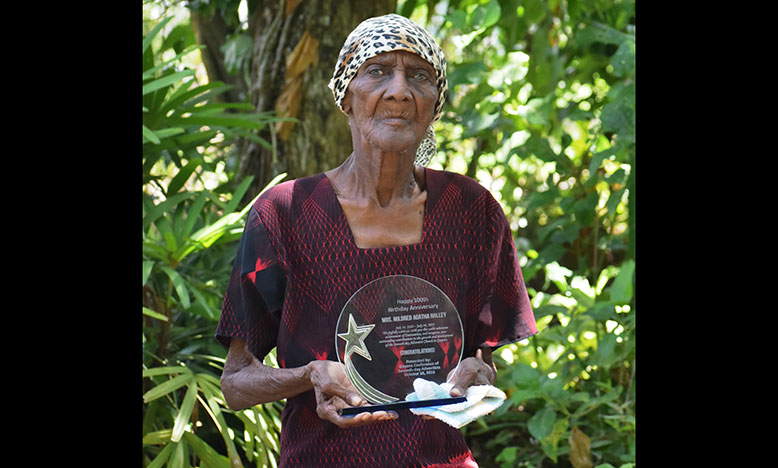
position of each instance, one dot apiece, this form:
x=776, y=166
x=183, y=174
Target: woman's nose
x=397, y=88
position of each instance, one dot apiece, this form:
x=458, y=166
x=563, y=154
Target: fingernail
x=355, y=401
x=456, y=392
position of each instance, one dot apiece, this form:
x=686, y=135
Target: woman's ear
x=347, y=102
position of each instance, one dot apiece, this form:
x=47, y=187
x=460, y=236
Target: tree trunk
x=296, y=45
x=212, y=31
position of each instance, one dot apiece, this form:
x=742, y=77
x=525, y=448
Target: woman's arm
x=246, y=382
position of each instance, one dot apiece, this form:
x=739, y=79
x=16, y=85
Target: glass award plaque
x=392, y=331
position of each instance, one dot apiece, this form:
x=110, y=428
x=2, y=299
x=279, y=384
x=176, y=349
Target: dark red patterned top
x=296, y=267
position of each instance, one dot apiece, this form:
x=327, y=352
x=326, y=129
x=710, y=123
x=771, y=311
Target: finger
x=355, y=400
x=365, y=418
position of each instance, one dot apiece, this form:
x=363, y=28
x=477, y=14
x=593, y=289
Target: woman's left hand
x=478, y=370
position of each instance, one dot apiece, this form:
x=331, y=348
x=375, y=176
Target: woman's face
x=391, y=100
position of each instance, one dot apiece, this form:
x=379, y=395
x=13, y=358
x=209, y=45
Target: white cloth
x=481, y=400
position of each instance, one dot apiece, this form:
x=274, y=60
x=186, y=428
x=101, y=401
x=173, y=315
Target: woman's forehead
x=392, y=57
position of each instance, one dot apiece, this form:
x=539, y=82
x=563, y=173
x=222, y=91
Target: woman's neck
x=379, y=176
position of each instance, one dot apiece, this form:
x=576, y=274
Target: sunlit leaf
x=185, y=412
x=153, y=314
x=168, y=386
x=157, y=437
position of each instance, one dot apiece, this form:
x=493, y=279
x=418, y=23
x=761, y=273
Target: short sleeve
x=506, y=316
x=255, y=292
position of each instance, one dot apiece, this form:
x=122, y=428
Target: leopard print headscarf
x=384, y=34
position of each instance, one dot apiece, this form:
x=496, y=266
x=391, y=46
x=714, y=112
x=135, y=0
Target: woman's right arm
x=247, y=382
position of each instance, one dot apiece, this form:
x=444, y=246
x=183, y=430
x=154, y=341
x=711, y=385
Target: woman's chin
x=395, y=142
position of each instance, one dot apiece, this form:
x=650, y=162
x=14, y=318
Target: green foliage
x=189, y=238
x=542, y=111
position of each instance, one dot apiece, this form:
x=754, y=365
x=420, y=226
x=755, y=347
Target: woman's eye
x=375, y=72
x=420, y=76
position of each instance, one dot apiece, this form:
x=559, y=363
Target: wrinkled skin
x=390, y=104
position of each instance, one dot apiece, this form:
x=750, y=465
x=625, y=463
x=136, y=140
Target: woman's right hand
x=334, y=391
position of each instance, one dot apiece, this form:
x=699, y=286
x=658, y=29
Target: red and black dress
x=297, y=266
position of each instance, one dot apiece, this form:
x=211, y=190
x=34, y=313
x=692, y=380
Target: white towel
x=481, y=400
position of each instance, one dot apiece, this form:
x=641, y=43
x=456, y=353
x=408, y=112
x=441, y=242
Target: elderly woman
x=310, y=243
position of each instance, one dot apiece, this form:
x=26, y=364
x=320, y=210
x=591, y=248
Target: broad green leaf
x=154, y=314
x=477, y=122
x=541, y=423
x=168, y=386
x=598, y=32
x=614, y=200
x=178, y=284
x=605, y=354
x=550, y=443
x=621, y=289
x=458, y=19
x=602, y=311
x=507, y=456
x=185, y=412
x=485, y=15
x=623, y=61
x=519, y=396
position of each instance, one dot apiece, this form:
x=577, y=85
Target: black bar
x=400, y=405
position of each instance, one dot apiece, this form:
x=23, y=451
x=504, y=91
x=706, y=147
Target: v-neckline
x=352, y=239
